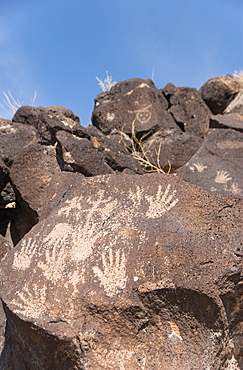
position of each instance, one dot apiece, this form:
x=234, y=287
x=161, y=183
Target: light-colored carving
x=54, y=265
x=200, y=167
x=175, y=331
x=23, y=258
x=30, y=302
x=222, y=177
x=143, y=115
x=113, y=276
x=110, y=116
x=161, y=202
x=234, y=189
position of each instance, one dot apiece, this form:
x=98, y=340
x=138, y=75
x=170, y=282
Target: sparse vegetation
x=107, y=84
x=137, y=151
x=11, y=105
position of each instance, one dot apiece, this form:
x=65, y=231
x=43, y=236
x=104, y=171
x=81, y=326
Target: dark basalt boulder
x=218, y=165
x=218, y=92
x=132, y=106
x=47, y=121
x=127, y=272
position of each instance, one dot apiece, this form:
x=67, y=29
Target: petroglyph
x=235, y=189
x=110, y=116
x=161, y=202
x=143, y=115
x=22, y=259
x=113, y=276
x=54, y=265
x=222, y=177
x=200, y=167
x=30, y=302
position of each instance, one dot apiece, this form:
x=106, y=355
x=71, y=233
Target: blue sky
x=58, y=47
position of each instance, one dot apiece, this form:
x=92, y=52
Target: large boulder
x=133, y=106
x=188, y=110
x=218, y=164
x=170, y=151
x=230, y=120
x=128, y=272
x=94, y=154
x=218, y=92
x=13, y=139
x=47, y=121
x=32, y=171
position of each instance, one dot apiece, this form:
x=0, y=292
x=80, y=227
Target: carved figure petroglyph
x=54, y=265
x=30, y=302
x=200, y=167
x=113, y=276
x=110, y=116
x=235, y=189
x=222, y=177
x=143, y=115
x=161, y=202
x=22, y=259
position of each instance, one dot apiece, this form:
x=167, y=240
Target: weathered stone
x=94, y=156
x=128, y=272
x=230, y=120
x=47, y=121
x=218, y=92
x=32, y=171
x=13, y=138
x=4, y=246
x=236, y=106
x=170, y=151
x=55, y=192
x=190, y=111
x=132, y=106
x=218, y=165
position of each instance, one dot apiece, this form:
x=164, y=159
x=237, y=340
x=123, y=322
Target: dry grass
x=137, y=151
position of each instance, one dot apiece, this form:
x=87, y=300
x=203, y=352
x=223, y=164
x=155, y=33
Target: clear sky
x=58, y=47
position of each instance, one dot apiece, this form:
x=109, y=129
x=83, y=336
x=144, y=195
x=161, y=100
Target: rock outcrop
x=107, y=266
x=127, y=271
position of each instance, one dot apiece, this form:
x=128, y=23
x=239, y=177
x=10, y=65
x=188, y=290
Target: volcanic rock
x=95, y=155
x=171, y=151
x=14, y=137
x=47, y=121
x=218, y=92
x=230, y=120
x=218, y=165
x=128, y=272
x=132, y=106
x=189, y=111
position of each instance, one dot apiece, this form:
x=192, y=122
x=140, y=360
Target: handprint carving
x=23, y=258
x=161, y=202
x=222, y=177
x=113, y=276
x=30, y=303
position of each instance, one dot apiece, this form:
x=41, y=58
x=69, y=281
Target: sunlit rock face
x=133, y=272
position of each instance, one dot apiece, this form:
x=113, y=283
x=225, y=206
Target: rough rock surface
x=190, y=111
x=94, y=156
x=218, y=165
x=128, y=272
x=14, y=137
x=218, y=92
x=171, y=151
x=230, y=120
x=236, y=106
x=47, y=121
x=133, y=106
